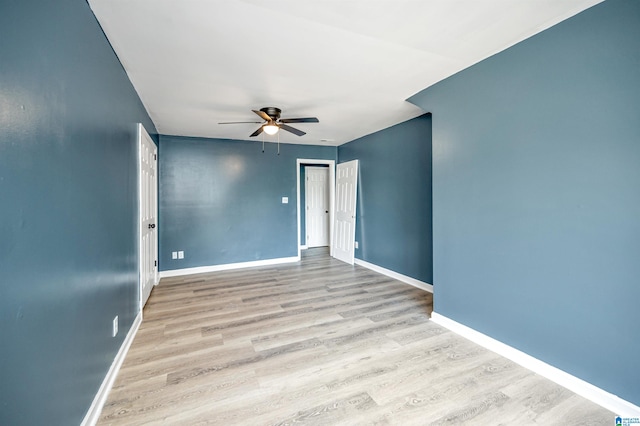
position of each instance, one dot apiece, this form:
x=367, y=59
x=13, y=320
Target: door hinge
x=155, y=156
x=155, y=263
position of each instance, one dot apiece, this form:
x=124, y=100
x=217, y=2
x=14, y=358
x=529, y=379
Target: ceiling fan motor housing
x=272, y=112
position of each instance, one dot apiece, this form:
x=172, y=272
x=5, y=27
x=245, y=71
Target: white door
x=344, y=230
x=148, y=180
x=316, y=192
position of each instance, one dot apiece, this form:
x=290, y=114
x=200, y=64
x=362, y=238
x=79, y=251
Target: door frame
x=332, y=196
x=140, y=129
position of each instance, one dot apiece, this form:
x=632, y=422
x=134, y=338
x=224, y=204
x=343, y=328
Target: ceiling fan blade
x=300, y=120
x=262, y=115
x=291, y=129
x=241, y=122
x=257, y=132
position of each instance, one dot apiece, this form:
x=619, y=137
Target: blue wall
x=536, y=196
x=68, y=191
x=393, y=214
x=220, y=200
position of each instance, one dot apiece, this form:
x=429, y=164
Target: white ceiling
x=351, y=63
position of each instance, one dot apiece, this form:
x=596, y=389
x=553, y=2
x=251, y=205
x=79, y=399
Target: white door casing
x=344, y=232
x=317, y=206
x=300, y=203
x=148, y=208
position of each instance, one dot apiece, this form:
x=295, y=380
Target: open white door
x=317, y=206
x=148, y=207
x=345, y=216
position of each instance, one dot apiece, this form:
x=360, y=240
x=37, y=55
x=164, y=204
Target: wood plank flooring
x=320, y=343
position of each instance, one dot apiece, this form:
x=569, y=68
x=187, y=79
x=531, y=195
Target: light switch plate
x=114, y=330
x=180, y=254
x=285, y=200
x=174, y=254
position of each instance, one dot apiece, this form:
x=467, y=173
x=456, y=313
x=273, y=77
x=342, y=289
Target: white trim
x=226, y=267
x=92, y=416
x=395, y=275
x=599, y=396
x=332, y=195
x=304, y=247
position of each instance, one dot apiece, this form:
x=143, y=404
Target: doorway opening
x=315, y=215
x=315, y=210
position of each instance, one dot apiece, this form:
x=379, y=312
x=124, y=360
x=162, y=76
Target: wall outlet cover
x=285, y=200
x=181, y=255
x=174, y=254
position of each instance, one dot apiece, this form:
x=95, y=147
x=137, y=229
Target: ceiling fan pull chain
x=278, y=143
x=263, y=143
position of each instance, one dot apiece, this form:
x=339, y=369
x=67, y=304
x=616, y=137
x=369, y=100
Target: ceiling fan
x=272, y=122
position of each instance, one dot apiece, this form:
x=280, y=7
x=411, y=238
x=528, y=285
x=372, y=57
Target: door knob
x=326, y=211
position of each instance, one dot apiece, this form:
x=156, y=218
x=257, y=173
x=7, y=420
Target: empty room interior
x=357, y=212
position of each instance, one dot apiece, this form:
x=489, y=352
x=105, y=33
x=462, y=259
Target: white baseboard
x=599, y=396
x=304, y=247
x=92, y=416
x=395, y=275
x=226, y=267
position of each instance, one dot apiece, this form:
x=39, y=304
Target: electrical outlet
x=285, y=200
x=174, y=254
x=180, y=254
x=115, y=327
x=356, y=245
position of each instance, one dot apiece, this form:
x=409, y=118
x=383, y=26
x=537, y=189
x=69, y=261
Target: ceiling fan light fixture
x=271, y=129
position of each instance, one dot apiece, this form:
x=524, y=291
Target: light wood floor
x=322, y=343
